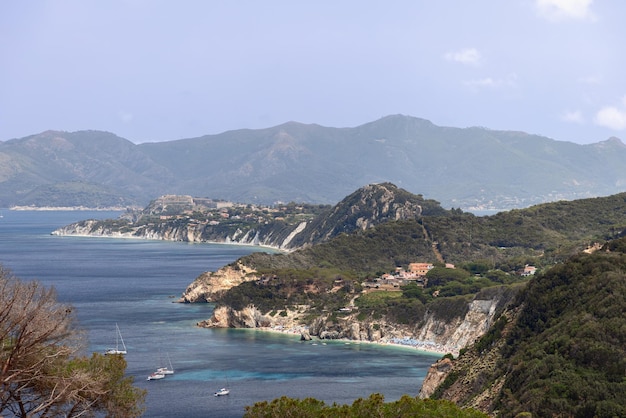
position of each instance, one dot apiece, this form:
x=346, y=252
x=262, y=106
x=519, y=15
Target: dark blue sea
x=134, y=282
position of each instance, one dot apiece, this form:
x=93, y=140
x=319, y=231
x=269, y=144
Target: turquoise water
x=134, y=282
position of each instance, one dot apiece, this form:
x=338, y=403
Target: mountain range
x=467, y=168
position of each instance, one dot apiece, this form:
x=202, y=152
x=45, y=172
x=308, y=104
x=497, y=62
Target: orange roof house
x=420, y=268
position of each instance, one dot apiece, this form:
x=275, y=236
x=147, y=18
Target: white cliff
x=459, y=332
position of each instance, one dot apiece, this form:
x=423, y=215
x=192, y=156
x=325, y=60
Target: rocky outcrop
x=251, y=317
x=225, y=317
x=92, y=228
x=367, y=207
x=435, y=376
x=460, y=331
x=463, y=380
x=209, y=284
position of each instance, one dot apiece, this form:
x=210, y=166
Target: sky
x=157, y=70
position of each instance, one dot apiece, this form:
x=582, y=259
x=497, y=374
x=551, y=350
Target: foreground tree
x=374, y=406
x=41, y=371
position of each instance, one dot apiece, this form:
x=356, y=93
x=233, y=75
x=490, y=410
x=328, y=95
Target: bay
x=134, y=283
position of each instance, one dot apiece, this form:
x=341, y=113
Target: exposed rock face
x=433, y=333
x=251, y=317
x=436, y=375
x=225, y=317
x=207, y=285
x=184, y=232
x=461, y=331
x=369, y=206
x=471, y=371
x=91, y=227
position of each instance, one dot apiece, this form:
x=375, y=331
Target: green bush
x=374, y=406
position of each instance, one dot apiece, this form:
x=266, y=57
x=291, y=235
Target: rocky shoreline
x=434, y=335
x=409, y=343
x=64, y=233
x=95, y=229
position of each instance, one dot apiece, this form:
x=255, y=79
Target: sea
x=134, y=284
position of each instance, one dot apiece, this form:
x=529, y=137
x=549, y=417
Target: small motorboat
x=222, y=392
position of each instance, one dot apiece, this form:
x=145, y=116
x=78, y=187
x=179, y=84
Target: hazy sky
x=150, y=70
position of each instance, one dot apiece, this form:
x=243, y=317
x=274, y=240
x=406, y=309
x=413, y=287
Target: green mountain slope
x=563, y=353
x=470, y=167
x=47, y=169
x=540, y=235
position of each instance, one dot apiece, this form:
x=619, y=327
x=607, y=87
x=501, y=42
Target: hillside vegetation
x=541, y=235
x=563, y=353
x=374, y=406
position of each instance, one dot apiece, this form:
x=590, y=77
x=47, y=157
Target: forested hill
x=295, y=162
x=561, y=352
x=540, y=235
x=377, y=228
x=365, y=208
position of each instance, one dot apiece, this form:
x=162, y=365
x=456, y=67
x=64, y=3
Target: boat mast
x=119, y=335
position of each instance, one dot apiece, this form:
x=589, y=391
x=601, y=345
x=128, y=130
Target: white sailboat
x=156, y=376
x=118, y=339
x=166, y=370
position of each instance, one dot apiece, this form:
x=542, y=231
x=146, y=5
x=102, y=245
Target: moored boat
x=166, y=370
x=222, y=392
x=118, y=338
x=156, y=376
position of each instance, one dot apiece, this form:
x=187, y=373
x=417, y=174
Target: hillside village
x=214, y=212
x=417, y=273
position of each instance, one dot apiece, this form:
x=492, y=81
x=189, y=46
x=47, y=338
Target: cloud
x=468, y=56
x=612, y=117
x=558, y=10
x=493, y=83
x=575, y=116
x=484, y=82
